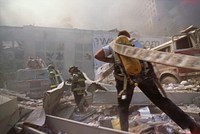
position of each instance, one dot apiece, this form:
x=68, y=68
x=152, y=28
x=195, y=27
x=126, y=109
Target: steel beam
x=73, y=127
x=30, y=130
x=178, y=97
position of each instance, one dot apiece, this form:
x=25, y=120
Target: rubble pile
x=23, y=100
x=190, y=84
x=142, y=119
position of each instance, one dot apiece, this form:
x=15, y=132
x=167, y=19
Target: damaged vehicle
x=188, y=43
x=32, y=81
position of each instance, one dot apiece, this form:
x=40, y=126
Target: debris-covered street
x=144, y=118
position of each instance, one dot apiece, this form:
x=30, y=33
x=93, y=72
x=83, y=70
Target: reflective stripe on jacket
x=78, y=82
x=77, y=77
x=55, y=78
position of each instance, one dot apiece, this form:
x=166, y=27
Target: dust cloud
x=172, y=15
x=82, y=14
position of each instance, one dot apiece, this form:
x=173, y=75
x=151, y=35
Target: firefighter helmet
x=125, y=33
x=73, y=68
x=50, y=67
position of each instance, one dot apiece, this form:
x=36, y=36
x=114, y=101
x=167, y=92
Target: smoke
x=97, y=14
x=82, y=14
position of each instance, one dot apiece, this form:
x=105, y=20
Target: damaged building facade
x=60, y=46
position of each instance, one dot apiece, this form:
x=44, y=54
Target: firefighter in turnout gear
x=146, y=81
x=54, y=76
x=77, y=80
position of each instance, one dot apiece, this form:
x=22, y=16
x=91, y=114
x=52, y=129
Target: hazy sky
x=92, y=14
x=83, y=14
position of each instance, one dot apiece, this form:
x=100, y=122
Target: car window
x=183, y=43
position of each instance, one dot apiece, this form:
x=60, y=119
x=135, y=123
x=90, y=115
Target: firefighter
x=54, y=76
x=77, y=80
x=146, y=82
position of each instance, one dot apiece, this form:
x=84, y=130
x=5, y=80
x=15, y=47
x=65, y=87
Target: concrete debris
x=37, y=117
x=65, y=112
x=37, y=63
x=178, y=97
x=196, y=101
x=145, y=113
x=59, y=106
x=190, y=84
x=109, y=79
x=9, y=113
x=93, y=87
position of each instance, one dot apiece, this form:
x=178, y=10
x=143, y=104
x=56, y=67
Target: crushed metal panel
x=37, y=117
x=52, y=98
x=9, y=113
x=74, y=127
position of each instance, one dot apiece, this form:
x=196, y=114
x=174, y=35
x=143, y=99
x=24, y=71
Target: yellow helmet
x=125, y=33
x=122, y=39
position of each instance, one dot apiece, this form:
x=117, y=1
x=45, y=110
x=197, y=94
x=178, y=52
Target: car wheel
x=169, y=79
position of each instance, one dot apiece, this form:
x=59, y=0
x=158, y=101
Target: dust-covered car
x=32, y=81
x=187, y=43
